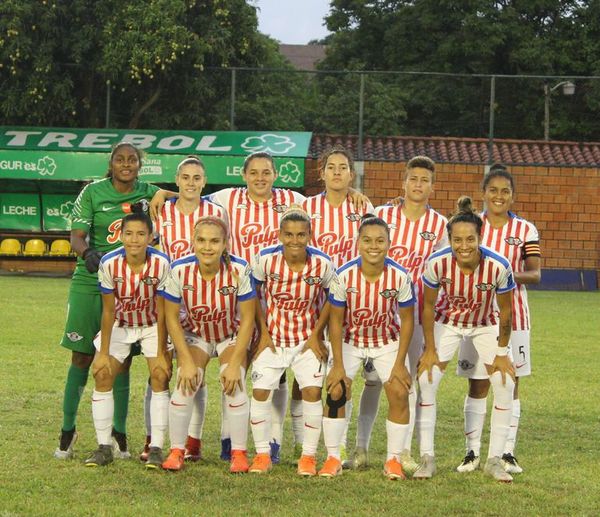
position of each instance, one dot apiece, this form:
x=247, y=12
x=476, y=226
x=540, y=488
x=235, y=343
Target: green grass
x=558, y=444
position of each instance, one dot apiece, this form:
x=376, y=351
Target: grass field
x=558, y=444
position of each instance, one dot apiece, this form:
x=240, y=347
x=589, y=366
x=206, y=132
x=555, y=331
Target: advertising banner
x=56, y=209
x=20, y=212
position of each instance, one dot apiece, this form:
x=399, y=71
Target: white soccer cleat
x=361, y=458
x=426, y=469
x=510, y=464
x=409, y=465
x=64, y=451
x=495, y=468
x=470, y=463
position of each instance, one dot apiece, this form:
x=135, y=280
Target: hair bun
x=465, y=204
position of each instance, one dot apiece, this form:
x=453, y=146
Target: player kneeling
x=373, y=291
x=216, y=291
x=131, y=278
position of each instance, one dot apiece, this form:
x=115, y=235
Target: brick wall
x=563, y=202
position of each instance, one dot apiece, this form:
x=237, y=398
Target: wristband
x=502, y=351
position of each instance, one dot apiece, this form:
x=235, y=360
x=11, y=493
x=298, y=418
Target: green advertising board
x=20, y=212
x=56, y=209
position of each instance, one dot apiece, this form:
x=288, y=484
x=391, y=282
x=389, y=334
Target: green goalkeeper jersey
x=98, y=211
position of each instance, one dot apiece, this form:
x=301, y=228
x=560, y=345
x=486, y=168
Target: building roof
x=465, y=150
x=303, y=57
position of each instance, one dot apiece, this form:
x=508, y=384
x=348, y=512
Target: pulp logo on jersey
x=288, y=302
x=333, y=245
x=354, y=217
x=254, y=234
x=74, y=337
x=179, y=247
x=389, y=293
x=368, y=318
x=280, y=208
x=406, y=258
x=133, y=304
x=188, y=287
x=312, y=280
x=465, y=365
x=485, y=287
x=150, y=280
x=460, y=303
x=206, y=314
x=428, y=236
x=228, y=289
x=114, y=232
x=513, y=241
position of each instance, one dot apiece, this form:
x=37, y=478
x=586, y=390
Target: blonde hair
x=217, y=221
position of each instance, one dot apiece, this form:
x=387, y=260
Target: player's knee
x=81, y=360
x=478, y=388
x=159, y=379
x=103, y=380
x=337, y=393
x=261, y=395
x=396, y=391
x=311, y=394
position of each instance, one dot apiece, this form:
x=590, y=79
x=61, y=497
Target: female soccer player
x=95, y=230
x=295, y=278
x=473, y=279
x=175, y=224
x=217, y=293
x=518, y=241
x=131, y=278
x=371, y=317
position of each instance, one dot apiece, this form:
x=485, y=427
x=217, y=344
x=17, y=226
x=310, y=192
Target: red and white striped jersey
x=516, y=240
x=468, y=300
x=293, y=300
x=135, y=293
x=335, y=229
x=176, y=230
x=371, y=318
x=254, y=225
x=210, y=305
x=412, y=242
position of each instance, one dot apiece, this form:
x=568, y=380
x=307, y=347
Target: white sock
x=511, y=441
x=426, y=410
x=280, y=399
x=333, y=430
x=180, y=413
x=367, y=412
x=396, y=438
x=475, y=410
x=297, y=420
x=147, y=417
x=313, y=418
x=348, y=418
x=224, y=419
x=501, y=413
x=238, y=411
x=103, y=409
x=412, y=407
x=198, y=413
x=159, y=411
x=260, y=421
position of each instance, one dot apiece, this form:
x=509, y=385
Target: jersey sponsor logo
x=312, y=280
x=189, y=287
x=206, y=314
x=461, y=303
x=228, y=289
x=107, y=208
x=114, y=232
x=428, y=236
x=130, y=304
x=167, y=223
x=368, y=318
x=389, y=293
x=279, y=208
x=465, y=365
x=405, y=257
x=118, y=280
x=179, y=247
x=288, y=302
x=253, y=234
x=352, y=290
x=485, y=287
x=354, y=217
x=334, y=244
x=150, y=280
x=274, y=276
x=74, y=337
x=513, y=241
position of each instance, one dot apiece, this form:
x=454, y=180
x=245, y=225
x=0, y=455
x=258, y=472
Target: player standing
x=295, y=278
x=131, y=278
x=217, y=294
x=371, y=317
x=473, y=279
x=517, y=240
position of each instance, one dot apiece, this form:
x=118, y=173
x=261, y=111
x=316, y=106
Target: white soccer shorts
x=123, y=338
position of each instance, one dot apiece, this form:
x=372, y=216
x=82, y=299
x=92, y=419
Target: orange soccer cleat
x=175, y=460
x=261, y=464
x=331, y=468
x=393, y=469
x=307, y=466
x=239, y=462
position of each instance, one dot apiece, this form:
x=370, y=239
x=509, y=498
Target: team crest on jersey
x=118, y=280
x=513, y=241
x=74, y=337
x=228, y=289
x=352, y=290
x=150, y=280
x=312, y=280
x=354, y=217
x=389, y=293
x=189, y=287
x=274, y=276
x=142, y=205
x=428, y=236
x=445, y=281
x=485, y=287
x=465, y=365
x=280, y=208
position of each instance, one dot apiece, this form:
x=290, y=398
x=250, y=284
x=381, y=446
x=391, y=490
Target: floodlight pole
x=107, y=112
x=568, y=89
x=361, y=103
x=232, y=102
x=491, y=126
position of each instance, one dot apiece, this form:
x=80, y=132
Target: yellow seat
x=10, y=247
x=35, y=248
x=60, y=248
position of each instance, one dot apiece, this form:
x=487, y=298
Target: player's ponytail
x=465, y=213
